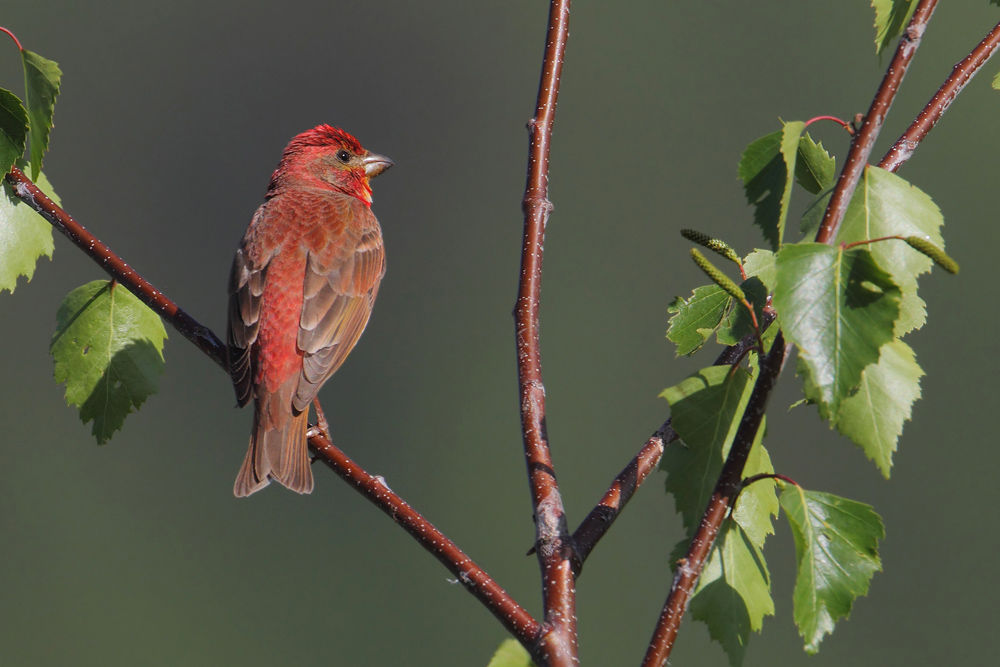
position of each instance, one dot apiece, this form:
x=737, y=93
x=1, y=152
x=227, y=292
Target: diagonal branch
x=513, y=617
x=690, y=567
x=115, y=267
x=558, y=647
x=864, y=139
x=960, y=75
x=624, y=486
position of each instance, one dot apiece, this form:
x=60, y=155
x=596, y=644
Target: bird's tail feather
x=279, y=454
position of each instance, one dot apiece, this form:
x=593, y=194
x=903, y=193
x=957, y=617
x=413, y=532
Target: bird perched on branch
x=301, y=290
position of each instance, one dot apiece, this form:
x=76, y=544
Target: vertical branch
x=864, y=140
x=727, y=487
x=960, y=75
x=558, y=647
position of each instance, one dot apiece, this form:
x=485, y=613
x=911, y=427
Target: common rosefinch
x=302, y=287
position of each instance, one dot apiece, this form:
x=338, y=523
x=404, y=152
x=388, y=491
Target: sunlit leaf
x=836, y=545
x=815, y=170
x=734, y=591
x=694, y=320
x=108, y=349
x=511, y=654
x=24, y=235
x=891, y=18
x=838, y=307
x=873, y=416
x=41, y=81
x=886, y=205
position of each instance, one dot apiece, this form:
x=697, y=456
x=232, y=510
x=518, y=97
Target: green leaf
x=108, y=349
x=838, y=307
x=815, y=170
x=733, y=594
x=886, y=205
x=757, y=503
x=738, y=323
x=767, y=169
x=891, y=18
x=705, y=410
x=24, y=235
x=813, y=215
x=873, y=417
x=836, y=545
x=41, y=83
x=996, y=81
x=694, y=320
x=511, y=654
x=760, y=263
x=13, y=129
x=734, y=591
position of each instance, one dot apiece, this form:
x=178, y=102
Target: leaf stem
x=843, y=123
x=13, y=37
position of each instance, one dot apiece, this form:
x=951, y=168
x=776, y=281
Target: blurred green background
x=171, y=119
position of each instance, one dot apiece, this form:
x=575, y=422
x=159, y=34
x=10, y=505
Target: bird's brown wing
x=338, y=297
x=246, y=286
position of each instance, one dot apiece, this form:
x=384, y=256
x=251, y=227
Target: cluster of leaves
x=845, y=307
x=108, y=346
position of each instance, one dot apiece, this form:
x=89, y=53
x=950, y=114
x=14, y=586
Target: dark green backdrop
x=171, y=118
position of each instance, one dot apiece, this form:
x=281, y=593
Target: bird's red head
x=328, y=157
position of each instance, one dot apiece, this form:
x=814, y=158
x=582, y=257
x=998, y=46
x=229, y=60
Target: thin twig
x=690, y=567
x=864, y=139
x=628, y=481
x=552, y=541
x=960, y=75
x=624, y=486
x=514, y=618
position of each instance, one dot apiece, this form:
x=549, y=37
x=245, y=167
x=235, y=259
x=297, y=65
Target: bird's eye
x=344, y=156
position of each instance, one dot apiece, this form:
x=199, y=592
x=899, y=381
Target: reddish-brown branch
x=864, y=139
x=13, y=37
x=115, y=267
x=552, y=541
x=960, y=75
x=624, y=486
x=690, y=567
x=514, y=618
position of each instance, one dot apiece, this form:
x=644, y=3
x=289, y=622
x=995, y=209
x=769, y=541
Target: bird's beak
x=375, y=164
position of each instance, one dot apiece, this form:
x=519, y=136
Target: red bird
x=302, y=287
